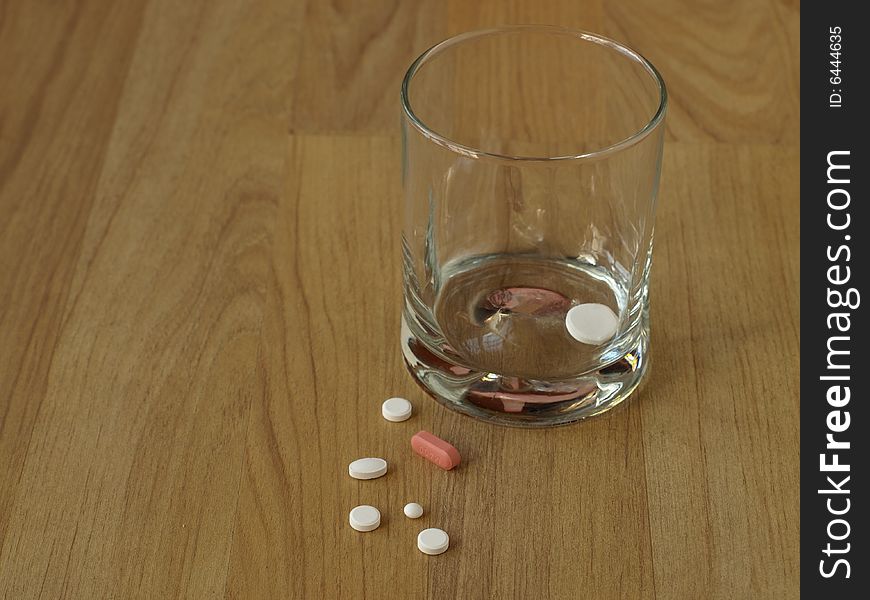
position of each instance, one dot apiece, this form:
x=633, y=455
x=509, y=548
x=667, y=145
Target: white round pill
x=367, y=468
x=591, y=323
x=413, y=510
x=396, y=409
x=365, y=518
x=433, y=541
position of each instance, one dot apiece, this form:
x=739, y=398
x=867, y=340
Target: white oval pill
x=396, y=409
x=365, y=518
x=591, y=323
x=367, y=468
x=433, y=541
x=413, y=510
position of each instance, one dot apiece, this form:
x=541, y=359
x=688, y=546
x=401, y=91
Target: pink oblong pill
x=435, y=450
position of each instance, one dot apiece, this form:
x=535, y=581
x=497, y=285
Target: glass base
x=520, y=402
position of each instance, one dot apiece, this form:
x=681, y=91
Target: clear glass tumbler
x=531, y=161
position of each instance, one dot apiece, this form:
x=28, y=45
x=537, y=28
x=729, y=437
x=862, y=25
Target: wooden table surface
x=199, y=316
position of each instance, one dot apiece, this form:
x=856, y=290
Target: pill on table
x=365, y=518
x=413, y=510
x=396, y=409
x=435, y=450
x=367, y=468
x=433, y=541
x=591, y=323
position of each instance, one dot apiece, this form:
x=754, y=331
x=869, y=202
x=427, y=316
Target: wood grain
x=351, y=61
x=200, y=209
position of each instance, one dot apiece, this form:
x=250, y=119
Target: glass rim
x=587, y=36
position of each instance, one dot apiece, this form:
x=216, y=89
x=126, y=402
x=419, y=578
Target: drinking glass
x=531, y=161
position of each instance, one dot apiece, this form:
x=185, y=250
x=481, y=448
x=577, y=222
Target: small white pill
x=413, y=510
x=367, y=468
x=396, y=409
x=433, y=541
x=365, y=518
x=591, y=324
